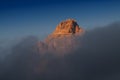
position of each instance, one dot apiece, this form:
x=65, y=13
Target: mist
x=97, y=57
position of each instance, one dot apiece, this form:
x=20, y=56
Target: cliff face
x=67, y=27
x=64, y=37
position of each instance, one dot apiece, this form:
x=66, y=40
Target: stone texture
x=63, y=39
x=66, y=28
x=69, y=26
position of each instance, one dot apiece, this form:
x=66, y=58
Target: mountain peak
x=67, y=27
x=63, y=39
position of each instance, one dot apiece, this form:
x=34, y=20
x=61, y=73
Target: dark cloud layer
x=97, y=59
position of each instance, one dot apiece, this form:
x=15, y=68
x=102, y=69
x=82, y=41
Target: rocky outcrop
x=67, y=27
x=63, y=39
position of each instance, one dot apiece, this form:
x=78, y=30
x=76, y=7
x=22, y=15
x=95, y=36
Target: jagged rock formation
x=64, y=38
x=66, y=28
x=69, y=26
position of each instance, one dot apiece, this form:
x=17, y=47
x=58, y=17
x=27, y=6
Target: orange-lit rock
x=67, y=27
x=63, y=39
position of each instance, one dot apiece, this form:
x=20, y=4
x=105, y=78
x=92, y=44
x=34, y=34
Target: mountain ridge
x=63, y=39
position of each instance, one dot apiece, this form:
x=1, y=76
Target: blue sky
x=20, y=18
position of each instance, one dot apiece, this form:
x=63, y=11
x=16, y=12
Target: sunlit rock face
x=67, y=27
x=64, y=37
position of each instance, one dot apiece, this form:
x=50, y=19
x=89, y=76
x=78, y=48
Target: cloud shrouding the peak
x=97, y=59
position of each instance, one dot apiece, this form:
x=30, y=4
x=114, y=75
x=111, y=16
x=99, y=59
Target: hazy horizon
x=20, y=18
x=91, y=52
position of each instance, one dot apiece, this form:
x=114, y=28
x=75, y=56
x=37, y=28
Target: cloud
x=97, y=58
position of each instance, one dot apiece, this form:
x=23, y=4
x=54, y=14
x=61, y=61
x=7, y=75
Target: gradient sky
x=20, y=18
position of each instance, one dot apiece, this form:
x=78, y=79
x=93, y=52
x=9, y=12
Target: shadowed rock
x=69, y=26
x=64, y=38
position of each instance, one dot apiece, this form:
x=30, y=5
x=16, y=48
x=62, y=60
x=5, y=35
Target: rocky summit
x=63, y=39
x=66, y=28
